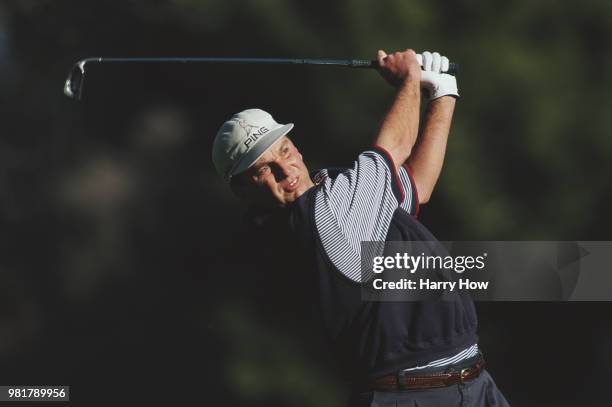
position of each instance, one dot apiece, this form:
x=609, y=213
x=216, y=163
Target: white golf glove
x=433, y=78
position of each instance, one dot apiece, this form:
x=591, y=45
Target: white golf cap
x=243, y=139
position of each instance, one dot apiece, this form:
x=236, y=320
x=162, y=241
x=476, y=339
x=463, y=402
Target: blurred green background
x=124, y=267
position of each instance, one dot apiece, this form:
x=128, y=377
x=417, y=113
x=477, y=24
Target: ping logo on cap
x=253, y=132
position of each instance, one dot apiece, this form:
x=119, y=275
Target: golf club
x=73, y=87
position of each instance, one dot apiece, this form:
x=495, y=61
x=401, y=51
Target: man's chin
x=286, y=199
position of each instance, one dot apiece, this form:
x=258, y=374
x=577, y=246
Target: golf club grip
x=453, y=68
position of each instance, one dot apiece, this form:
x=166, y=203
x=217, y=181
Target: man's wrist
x=446, y=100
x=410, y=82
x=441, y=107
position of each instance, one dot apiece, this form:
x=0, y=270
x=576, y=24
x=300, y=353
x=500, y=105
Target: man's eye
x=285, y=150
x=262, y=170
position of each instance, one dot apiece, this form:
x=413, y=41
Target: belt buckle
x=463, y=374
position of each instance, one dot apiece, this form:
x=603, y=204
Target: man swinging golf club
x=396, y=353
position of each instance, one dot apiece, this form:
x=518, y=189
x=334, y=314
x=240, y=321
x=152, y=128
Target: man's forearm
x=428, y=156
x=400, y=126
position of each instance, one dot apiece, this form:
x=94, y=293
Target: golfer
x=396, y=353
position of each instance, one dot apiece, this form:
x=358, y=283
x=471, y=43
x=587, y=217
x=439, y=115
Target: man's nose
x=281, y=170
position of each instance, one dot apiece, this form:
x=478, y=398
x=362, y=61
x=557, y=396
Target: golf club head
x=73, y=88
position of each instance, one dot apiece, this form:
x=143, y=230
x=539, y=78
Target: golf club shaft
x=352, y=63
x=73, y=87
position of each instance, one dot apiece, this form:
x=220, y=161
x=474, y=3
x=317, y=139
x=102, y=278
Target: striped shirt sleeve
x=357, y=205
x=411, y=196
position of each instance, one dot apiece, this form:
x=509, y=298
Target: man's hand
x=399, y=67
x=433, y=79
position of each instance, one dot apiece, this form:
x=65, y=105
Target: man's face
x=277, y=177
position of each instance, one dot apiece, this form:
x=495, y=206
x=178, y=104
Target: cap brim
x=247, y=160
